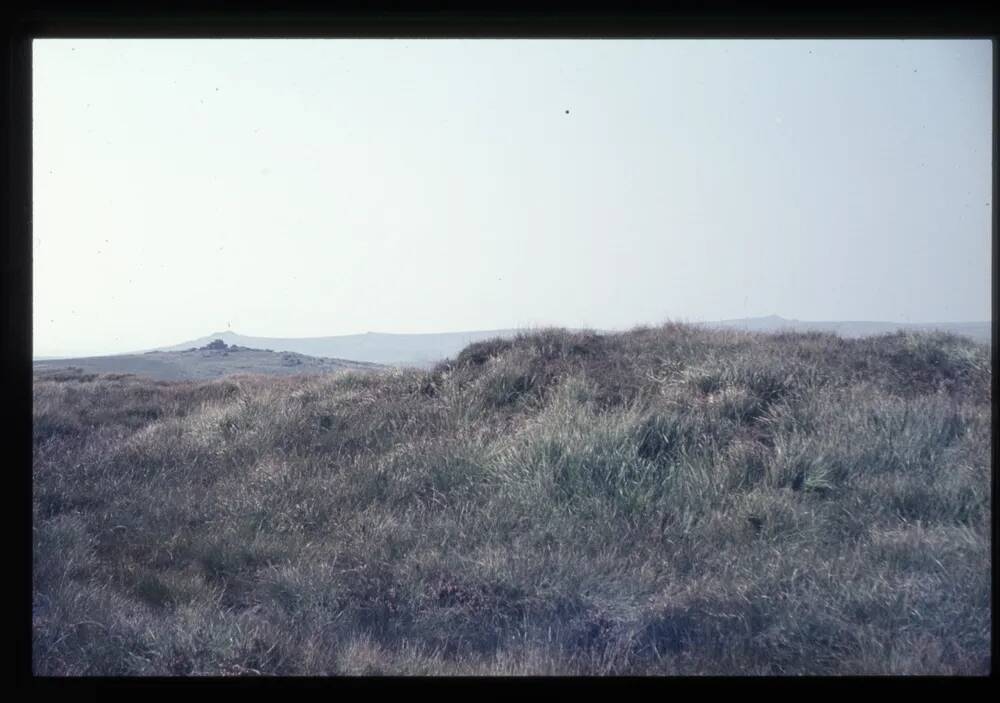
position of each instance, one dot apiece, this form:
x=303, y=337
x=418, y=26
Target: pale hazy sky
x=294, y=188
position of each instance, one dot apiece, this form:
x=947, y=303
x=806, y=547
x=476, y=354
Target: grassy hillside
x=664, y=501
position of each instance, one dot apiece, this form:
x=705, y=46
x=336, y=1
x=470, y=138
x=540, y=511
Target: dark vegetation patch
x=668, y=500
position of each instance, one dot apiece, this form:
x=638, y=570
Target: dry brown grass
x=666, y=501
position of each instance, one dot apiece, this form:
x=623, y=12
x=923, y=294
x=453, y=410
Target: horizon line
x=514, y=328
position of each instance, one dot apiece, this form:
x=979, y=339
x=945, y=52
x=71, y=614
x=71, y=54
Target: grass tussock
x=665, y=501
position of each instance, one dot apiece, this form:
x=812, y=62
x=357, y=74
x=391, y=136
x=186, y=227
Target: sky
x=296, y=188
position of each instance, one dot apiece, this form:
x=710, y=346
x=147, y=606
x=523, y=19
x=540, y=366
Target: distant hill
x=419, y=350
x=979, y=331
x=425, y=350
x=215, y=359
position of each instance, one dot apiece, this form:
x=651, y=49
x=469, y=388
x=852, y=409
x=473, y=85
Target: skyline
x=849, y=328
x=305, y=188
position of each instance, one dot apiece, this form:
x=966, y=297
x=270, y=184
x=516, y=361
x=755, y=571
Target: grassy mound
x=663, y=501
